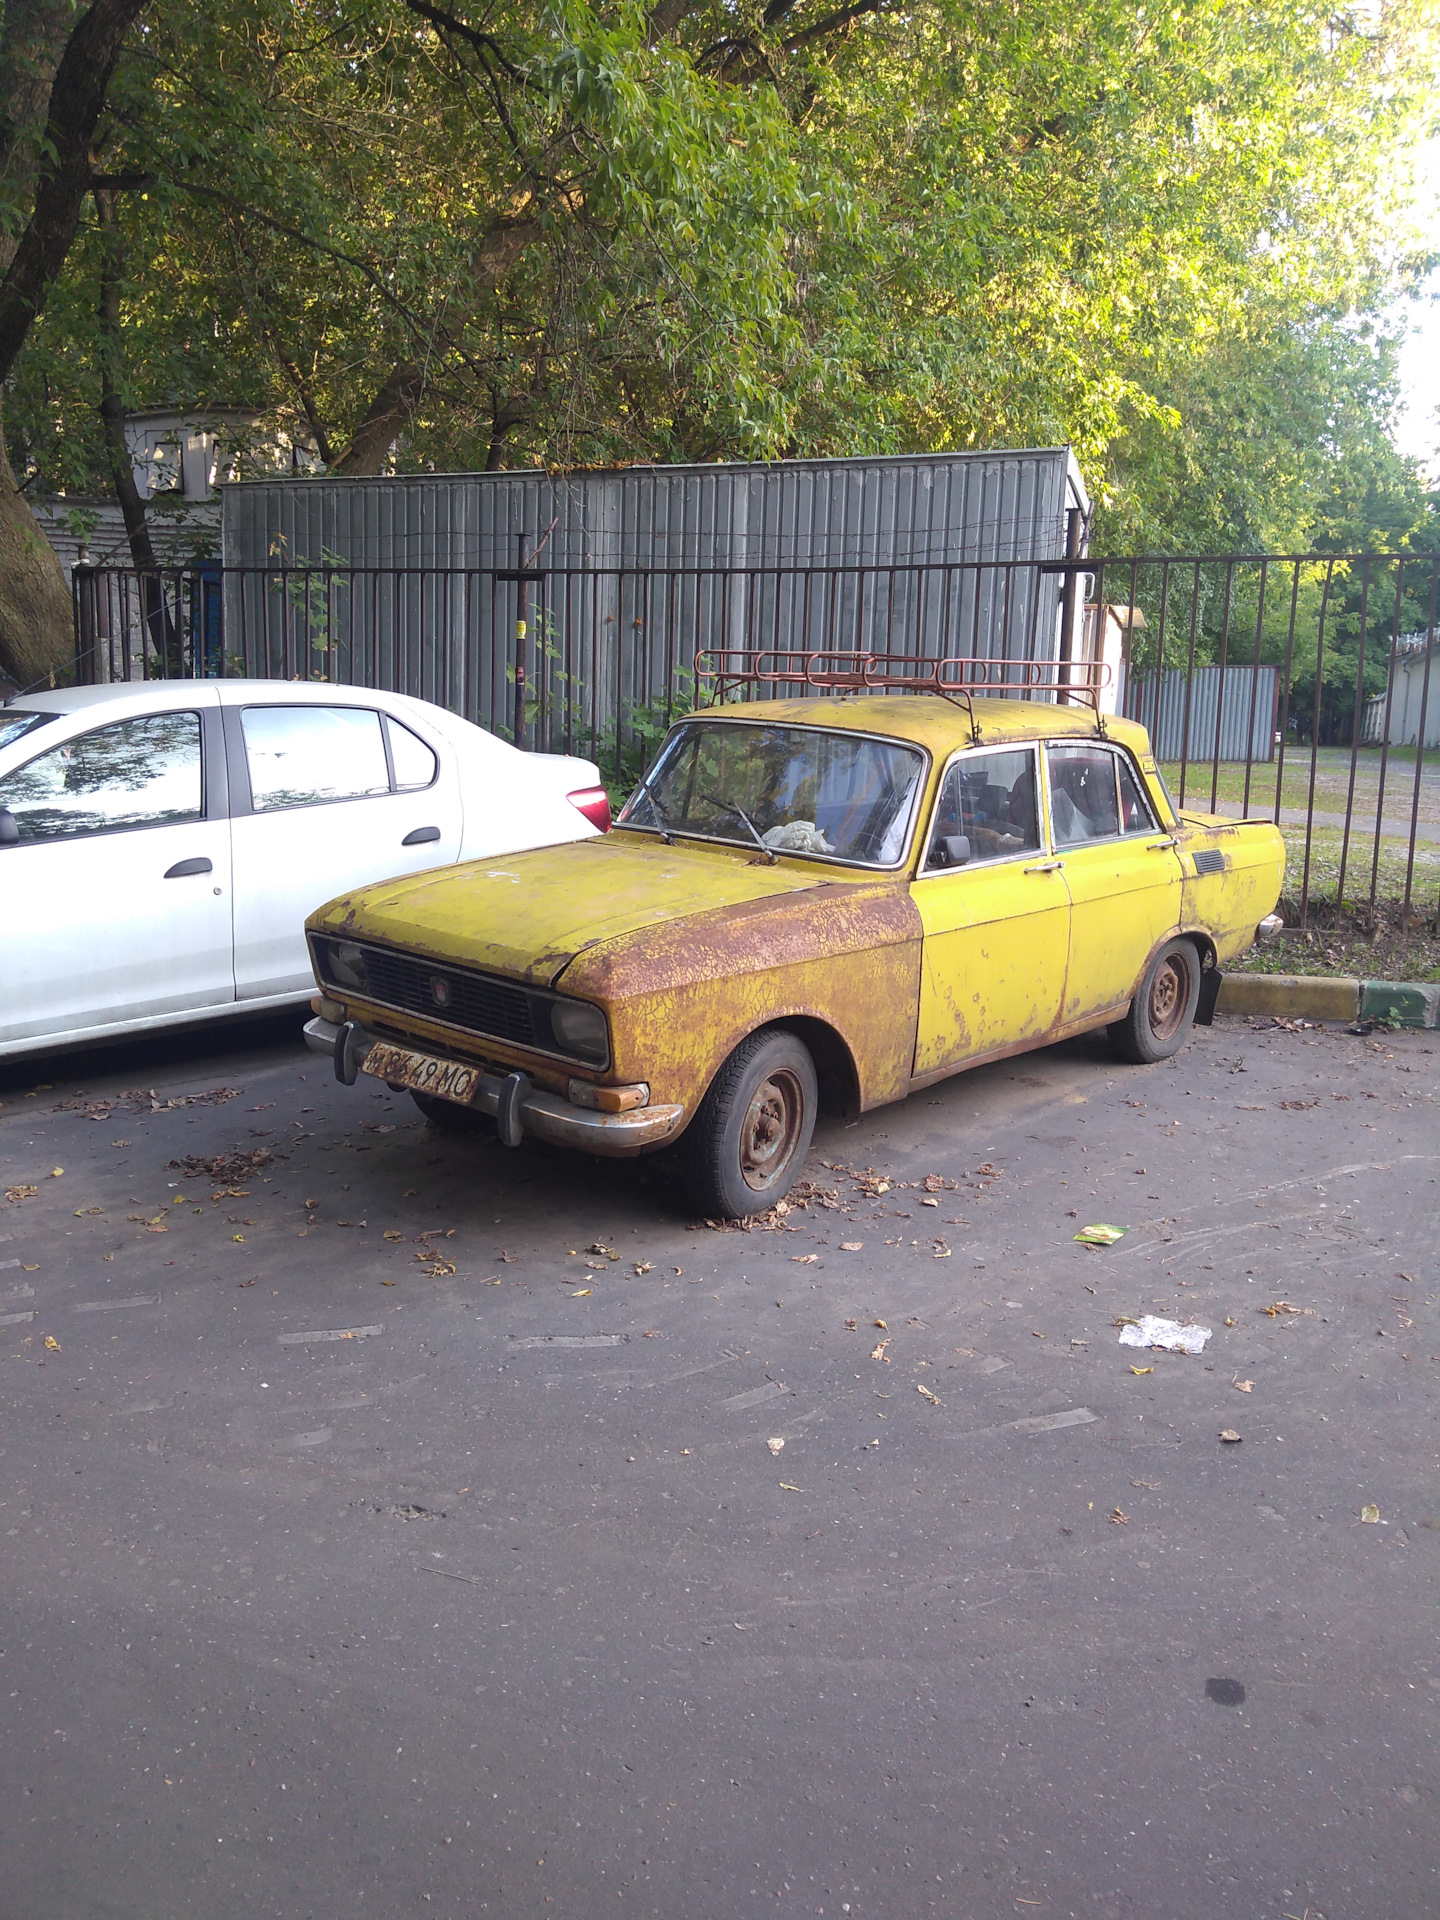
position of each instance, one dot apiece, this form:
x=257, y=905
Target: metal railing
x=1304, y=688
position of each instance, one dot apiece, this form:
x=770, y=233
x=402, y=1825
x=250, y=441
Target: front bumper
x=523, y=1108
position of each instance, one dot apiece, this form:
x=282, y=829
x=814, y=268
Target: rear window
x=15, y=725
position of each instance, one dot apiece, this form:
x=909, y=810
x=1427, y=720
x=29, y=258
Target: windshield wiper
x=739, y=813
x=662, y=819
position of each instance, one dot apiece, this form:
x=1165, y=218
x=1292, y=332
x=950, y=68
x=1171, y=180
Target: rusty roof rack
x=957, y=678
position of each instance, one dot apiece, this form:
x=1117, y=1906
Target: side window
x=986, y=810
x=299, y=756
x=136, y=773
x=415, y=765
x=1136, y=814
x=1083, y=794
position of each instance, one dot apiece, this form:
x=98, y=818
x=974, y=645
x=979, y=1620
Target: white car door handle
x=182, y=869
x=421, y=836
x=1046, y=866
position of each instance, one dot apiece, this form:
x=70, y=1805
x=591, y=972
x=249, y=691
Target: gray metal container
x=793, y=513
x=1214, y=713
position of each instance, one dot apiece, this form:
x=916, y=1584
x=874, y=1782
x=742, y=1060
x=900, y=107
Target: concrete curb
x=1299, y=996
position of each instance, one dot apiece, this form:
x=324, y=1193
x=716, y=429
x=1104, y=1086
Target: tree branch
x=77, y=99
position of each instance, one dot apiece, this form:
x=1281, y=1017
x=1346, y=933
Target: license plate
x=422, y=1072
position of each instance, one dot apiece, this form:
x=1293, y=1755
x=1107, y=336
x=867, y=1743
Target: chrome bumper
x=517, y=1106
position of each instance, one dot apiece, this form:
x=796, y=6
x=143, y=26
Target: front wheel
x=751, y=1135
x=1163, y=1011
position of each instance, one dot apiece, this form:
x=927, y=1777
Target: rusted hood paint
x=759, y=935
x=529, y=914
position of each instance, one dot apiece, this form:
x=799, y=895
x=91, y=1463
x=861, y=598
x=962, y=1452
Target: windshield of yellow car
x=833, y=796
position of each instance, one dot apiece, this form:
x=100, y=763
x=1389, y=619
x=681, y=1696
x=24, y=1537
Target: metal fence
x=1295, y=687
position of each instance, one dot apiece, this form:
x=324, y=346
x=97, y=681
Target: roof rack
x=955, y=677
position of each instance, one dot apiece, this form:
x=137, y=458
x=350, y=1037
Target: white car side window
x=136, y=773
x=300, y=756
x=415, y=765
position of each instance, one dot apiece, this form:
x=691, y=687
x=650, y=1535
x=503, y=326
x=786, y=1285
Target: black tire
x=749, y=1140
x=1163, y=1010
x=449, y=1118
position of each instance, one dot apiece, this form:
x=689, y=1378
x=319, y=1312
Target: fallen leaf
x=775, y=1443
x=238, y=1238
x=17, y=1194
x=598, y=1246
x=1230, y=1320
x=255, y=1276
x=1100, y=1235
x=929, y=1203
x=1142, y=1369
x=652, y=1333
x=881, y=1324
x=643, y=1266
x=579, y=1294
x=922, y=1389
x=1371, y=1515
x=852, y=1246
x=785, y=1487
x=851, y=1325
x=1038, y=1336
x=1229, y=1436
x=1279, y=1306
x=1119, y=1518
x=804, y=1259
x=55, y=1172
x=391, y=1234
x=878, y=1353
x=1243, y=1386
x=54, y=1345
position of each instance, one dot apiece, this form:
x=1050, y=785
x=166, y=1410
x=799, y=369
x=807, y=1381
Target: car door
x=117, y=893
x=995, y=913
x=1120, y=867
x=324, y=798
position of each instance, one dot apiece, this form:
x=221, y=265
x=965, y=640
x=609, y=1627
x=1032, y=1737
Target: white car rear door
x=116, y=899
x=325, y=797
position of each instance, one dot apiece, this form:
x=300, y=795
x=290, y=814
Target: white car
x=161, y=843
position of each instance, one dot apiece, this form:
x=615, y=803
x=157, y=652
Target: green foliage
x=584, y=234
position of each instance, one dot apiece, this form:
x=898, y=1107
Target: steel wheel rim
x=1169, y=993
x=771, y=1129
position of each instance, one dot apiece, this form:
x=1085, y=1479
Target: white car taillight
x=594, y=803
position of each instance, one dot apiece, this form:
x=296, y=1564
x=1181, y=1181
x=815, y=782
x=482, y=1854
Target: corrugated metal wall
x=644, y=568
x=801, y=513
x=1230, y=712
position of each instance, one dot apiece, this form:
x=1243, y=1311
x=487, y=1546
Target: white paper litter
x=1168, y=1335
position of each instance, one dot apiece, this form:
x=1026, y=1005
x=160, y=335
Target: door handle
x=1158, y=846
x=1046, y=866
x=182, y=869
x=420, y=837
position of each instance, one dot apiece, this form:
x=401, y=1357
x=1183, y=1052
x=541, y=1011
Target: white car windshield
x=800, y=790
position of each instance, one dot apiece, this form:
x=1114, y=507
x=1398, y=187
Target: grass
x=1332, y=782
x=1345, y=949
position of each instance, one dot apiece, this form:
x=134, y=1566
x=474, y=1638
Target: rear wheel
x=1163, y=1011
x=753, y=1130
x=448, y=1117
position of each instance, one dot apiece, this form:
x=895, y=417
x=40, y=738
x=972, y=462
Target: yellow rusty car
x=820, y=901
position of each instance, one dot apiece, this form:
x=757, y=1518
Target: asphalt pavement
x=395, y=1523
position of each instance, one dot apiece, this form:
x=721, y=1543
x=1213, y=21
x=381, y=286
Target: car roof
x=930, y=720
x=123, y=695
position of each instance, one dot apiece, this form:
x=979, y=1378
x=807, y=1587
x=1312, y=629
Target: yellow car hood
x=529, y=914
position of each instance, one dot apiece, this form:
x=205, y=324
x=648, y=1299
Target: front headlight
x=346, y=965
x=580, y=1029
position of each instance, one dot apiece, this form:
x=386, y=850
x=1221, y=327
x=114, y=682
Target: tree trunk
x=82, y=80
x=165, y=639
x=37, y=632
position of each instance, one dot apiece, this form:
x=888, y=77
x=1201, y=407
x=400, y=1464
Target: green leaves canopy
x=576, y=233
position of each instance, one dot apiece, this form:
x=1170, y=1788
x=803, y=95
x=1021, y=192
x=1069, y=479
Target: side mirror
x=9, y=829
x=957, y=849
